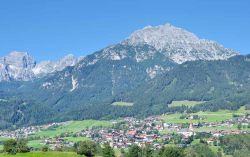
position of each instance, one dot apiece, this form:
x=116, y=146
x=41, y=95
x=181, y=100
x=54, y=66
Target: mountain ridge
x=221, y=84
x=171, y=42
x=21, y=66
x=45, y=67
x=167, y=38
x=16, y=66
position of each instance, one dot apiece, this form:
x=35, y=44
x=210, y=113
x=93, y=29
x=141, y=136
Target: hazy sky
x=49, y=29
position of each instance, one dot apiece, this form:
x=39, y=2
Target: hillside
x=220, y=84
x=150, y=69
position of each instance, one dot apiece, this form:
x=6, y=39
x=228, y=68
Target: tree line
x=91, y=149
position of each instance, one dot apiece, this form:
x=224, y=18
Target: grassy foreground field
x=43, y=154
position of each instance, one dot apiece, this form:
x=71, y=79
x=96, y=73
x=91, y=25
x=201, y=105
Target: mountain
x=172, y=43
x=222, y=84
x=21, y=66
x=46, y=67
x=179, y=44
x=151, y=68
x=68, y=94
x=16, y=66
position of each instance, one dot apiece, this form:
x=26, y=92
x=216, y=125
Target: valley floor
x=126, y=131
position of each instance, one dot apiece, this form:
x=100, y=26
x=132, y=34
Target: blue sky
x=49, y=29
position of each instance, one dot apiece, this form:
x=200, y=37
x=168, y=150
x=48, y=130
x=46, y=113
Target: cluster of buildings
x=153, y=131
x=26, y=131
x=135, y=131
x=57, y=143
x=128, y=131
x=132, y=131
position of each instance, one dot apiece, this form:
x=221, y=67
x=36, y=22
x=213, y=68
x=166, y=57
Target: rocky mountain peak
x=16, y=66
x=46, y=67
x=179, y=44
x=19, y=60
x=22, y=66
x=162, y=36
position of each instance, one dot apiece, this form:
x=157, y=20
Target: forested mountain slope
x=223, y=84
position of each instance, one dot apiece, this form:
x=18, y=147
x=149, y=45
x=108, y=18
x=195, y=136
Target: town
x=128, y=131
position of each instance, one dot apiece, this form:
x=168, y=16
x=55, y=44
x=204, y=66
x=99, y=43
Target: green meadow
x=3, y=139
x=35, y=144
x=207, y=116
x=185, y=103
x=76, y=139
x=121, y=103
x=73, y=126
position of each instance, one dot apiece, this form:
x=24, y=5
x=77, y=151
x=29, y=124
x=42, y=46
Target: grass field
x=3, y=139
x=76, y=139
x=43, y=154
x=73, y=126
x=207, y=129
x=120, y=103
x=185, y=103
x=35, y=144
x=206, y=116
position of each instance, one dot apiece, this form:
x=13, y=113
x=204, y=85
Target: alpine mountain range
x=151, y=68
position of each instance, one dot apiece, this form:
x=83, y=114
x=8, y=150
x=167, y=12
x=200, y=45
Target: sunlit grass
x=121, y=103
x=185, y=103
x=207, y=116
x=73, y=126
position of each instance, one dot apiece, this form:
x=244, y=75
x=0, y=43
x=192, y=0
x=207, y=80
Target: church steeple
x=191, y=125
